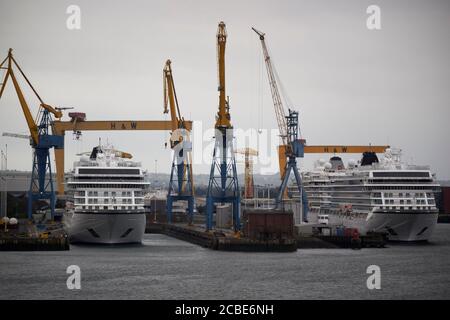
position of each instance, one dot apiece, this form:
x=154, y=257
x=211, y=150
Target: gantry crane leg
x=180, y=185
x=291, y=165
x=223, y=188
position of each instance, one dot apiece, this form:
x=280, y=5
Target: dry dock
x=223, y=240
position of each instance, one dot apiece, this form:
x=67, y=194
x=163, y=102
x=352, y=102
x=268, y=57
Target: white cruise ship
x=108, y=194
x=382, y=196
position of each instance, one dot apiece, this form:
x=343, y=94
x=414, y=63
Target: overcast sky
x=351, y=85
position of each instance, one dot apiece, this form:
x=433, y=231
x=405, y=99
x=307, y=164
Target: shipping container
x=268, y=224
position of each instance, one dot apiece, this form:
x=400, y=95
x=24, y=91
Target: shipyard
x=247, y=161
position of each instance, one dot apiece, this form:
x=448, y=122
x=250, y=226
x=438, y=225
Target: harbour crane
x=181, y=184
x=50, y=118
x=292, y=147
x=223, y=187
x=288, y=127
x=249, y=186
x=42, y=139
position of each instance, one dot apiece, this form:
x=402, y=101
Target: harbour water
x=167, y=268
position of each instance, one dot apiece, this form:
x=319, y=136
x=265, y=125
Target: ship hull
x=107, y=228
x=416, y=226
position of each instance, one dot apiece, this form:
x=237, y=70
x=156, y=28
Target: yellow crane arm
x=170, y=97
x=223, y=116
x=57, y=113
x=61, y=126
x=344, y=149
x=23, y=103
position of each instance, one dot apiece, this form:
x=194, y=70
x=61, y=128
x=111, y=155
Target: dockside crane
x=292, y=147
x=181, y=184
x=42, y=138
x=223, y=187
x=288, y=127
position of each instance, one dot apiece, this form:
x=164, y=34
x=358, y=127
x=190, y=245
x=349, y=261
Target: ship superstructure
x=108, y=193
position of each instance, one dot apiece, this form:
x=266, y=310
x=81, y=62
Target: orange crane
x=181, y=184
x=249, y=185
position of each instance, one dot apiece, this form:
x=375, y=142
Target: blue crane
x=42, y=139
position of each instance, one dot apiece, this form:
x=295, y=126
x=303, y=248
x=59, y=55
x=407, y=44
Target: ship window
x=106, y=201
x=105, y=208
x=105, y=193
x=115, y=207
x=401, y=201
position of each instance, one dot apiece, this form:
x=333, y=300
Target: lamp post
x=154, y=202
x=4, y=193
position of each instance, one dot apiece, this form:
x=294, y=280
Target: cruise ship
x=108, y=198
x=387, y=196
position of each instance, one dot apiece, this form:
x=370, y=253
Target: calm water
x=166, y=268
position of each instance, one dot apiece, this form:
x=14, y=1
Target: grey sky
x=352, y=85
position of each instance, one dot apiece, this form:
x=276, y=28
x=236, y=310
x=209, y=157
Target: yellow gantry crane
x=223, y=119
x=223, y=187
x=42, y=135
x=181, y=184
